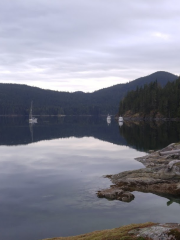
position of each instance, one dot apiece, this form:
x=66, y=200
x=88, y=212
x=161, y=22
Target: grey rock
x=157, y=232
x=161, y=175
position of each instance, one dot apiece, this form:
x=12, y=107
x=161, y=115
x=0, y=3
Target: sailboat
x=120, y=119
x=31, y=118
x=108, y=119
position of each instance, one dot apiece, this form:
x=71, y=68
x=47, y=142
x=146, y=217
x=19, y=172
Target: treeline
x=153, y=100
x=15, y=99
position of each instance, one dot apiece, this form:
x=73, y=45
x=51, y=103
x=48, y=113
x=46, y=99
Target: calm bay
x=50, y=173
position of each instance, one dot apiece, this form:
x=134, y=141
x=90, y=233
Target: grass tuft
x=120, y=233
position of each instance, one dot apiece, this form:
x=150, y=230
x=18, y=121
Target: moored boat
x=120, y=119
x=108, y=119
x=31, y=118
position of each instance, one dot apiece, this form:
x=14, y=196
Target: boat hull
x=33, y=120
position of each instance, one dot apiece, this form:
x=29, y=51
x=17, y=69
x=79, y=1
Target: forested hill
x=16, y=98
x=153, y=101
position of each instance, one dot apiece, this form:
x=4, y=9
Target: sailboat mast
x=31, y=118
x=30, y=114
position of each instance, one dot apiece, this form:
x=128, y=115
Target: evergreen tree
x=152, y=99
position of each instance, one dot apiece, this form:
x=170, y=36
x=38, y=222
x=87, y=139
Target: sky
x=86, y=45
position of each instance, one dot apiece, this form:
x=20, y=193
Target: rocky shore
x=153, y=115
x=160, y=176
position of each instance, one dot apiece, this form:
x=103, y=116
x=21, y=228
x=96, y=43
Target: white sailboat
x=31, y=118
x=120, y=119
x=108, y=119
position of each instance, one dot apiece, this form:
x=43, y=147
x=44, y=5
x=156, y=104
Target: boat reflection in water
x=120, y=119
x=31, y=130
x=120, y=123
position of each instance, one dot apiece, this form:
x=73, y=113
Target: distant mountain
x=113, y=95
x=16, y=98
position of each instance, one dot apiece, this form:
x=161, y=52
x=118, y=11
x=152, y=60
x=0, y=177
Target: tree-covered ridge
x=153, y=100
x=15, y=99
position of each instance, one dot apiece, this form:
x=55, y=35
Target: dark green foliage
x=152, y=99
x=15, y=99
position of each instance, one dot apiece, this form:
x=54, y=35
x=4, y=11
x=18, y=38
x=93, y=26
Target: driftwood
x=169, y=152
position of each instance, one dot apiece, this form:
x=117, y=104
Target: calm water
x=50, y=173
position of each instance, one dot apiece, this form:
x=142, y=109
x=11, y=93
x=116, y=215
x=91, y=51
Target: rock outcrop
x=167, y=231
x=161, y=176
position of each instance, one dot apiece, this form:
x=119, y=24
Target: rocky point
x=160, y=176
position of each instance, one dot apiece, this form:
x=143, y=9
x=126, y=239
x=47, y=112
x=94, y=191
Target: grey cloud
x=64, y=40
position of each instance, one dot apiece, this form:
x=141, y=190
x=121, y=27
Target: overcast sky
x=85, y=45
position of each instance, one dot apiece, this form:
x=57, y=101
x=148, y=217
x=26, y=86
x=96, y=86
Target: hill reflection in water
x=16, y=131
x=48, y=188
x=154, y=135
x=142, y=136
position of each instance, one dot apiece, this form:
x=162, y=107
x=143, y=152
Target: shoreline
x=160, y=176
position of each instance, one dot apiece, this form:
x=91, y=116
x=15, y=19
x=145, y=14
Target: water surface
x=50, y=173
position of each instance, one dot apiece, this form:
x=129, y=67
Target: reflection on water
x=48, y=188
x=142, y=136
x=31, y=130
x=120, y=124
x=154, y=135
x=18, y=131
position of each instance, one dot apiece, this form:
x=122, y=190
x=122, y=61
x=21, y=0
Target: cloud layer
x=86, y=45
